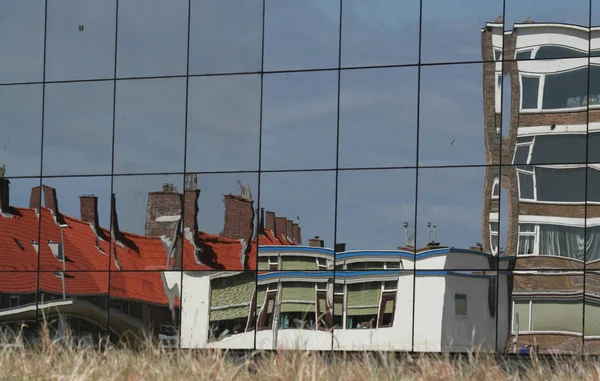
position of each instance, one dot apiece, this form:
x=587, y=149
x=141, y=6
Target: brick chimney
x=190, y=210
x=299, y=241
x=295, y=233
x=88, y=207
x=270, y=221
x=35, y=199
x=4, y=195
x=163, y=211
x=316, y=242
x=288, y=228
x=50, y=200
x=239, y=218
x=281, y=226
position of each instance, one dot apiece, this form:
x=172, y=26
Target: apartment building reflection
x=540, y=120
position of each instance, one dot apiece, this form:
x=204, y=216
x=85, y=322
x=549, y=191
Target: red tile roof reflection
x=88, y=256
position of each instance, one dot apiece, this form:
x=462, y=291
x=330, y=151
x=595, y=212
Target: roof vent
x=168, y=187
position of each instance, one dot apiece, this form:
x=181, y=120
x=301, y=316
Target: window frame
x=456, y=313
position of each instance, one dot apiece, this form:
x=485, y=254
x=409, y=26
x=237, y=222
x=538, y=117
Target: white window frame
x=532, y=50
x=536, y=238
x=492, y=234
x=540, y=78
x=498, y=81
x=540, y=100
x=321, y=266
x=274, y=263
x=494, y=184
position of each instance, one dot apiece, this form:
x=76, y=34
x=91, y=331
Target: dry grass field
x=53, y=361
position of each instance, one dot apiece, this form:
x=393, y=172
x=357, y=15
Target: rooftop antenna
x=298, y=220
x=428, y=233
x=434, y=227
x=406, y=234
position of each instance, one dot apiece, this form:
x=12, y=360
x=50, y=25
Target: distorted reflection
x=501, y=255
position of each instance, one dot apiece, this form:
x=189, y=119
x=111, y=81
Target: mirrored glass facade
x=318, y=175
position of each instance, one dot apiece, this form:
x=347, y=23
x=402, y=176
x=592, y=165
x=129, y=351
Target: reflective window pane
x=75, y=224
x=78, y=129
x=150, y=126
x=80, y=40
x=451, y=121
x=21, y=121
x=380, y=32
x=223, y=123
x=449, y=34
x=301, y=35
x=19, y=224
x=152, y=38
x=378, y=118
x=22, y=41
x=225, y=38
x=221, y=222
x=299, y=128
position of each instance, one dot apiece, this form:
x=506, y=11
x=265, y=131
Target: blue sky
x=378, y=107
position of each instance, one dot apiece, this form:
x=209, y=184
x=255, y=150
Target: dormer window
x=57, y=250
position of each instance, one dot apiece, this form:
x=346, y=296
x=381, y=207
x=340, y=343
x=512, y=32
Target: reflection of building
x=367, y=303
x=547, y=137
x=74, y=257
x=251, y=286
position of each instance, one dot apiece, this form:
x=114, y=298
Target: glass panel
x=521, y=316
x=153, y=38
x=556, y=51
x=529, y=92
x=384, y=206
x=78, y=129
x=380, y=32
x=22, y=57
x=21, y=121
x=19, y=224
x=301, y=35
x=566, y=90
x=448, y=93
x=305, y=221
x=18, y=307
x=378, y=122
x=299, y=128
x=220, y=219
x=225, y=38
x=522, y=154
x=565, y=185
x=141, y=305
x=526, y=186
x=150, y=113
x=146, y=223
x=451, y=215
x=223, y=123
x=75, y=224
x=460, y=304
x=449, y=35
x=559, y=149
x=523, y=55
x=80, y=40
x=557, y=316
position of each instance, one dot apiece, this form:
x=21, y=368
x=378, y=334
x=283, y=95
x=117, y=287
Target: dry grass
x=53, y=361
